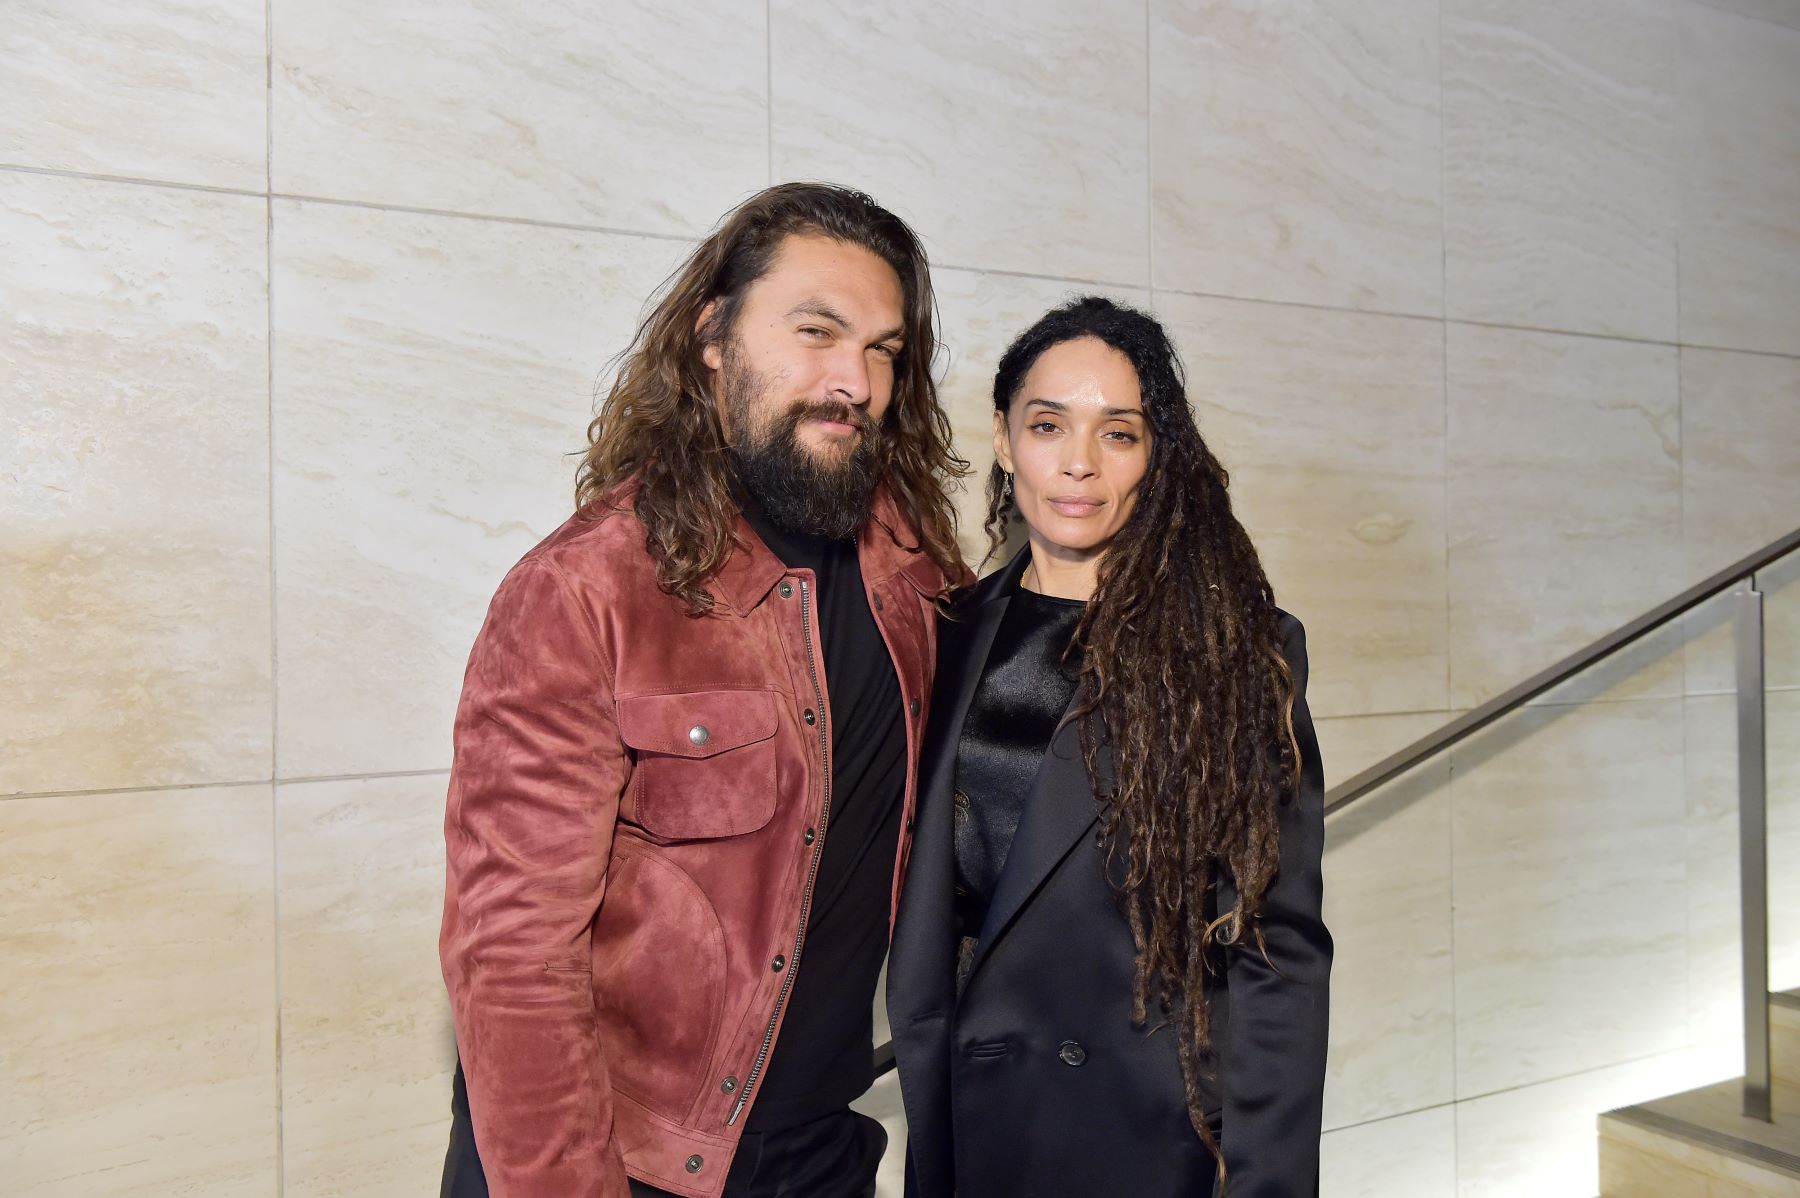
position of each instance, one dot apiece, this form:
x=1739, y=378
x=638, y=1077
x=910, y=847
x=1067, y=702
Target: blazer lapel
x=963, y=646
x=921, y=966
x=1059, y=814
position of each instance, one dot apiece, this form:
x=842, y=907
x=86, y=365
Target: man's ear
x=1002, y=443
x=711, y=352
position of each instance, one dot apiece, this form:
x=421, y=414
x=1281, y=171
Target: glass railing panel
x=1714, y=796
x=1590, y=902
x=1391, y=1077
x=1780, y=585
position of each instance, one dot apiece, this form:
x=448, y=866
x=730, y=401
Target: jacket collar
x=887, y=546
x=999, y=585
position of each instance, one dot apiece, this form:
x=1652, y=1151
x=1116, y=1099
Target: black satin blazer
x=1035, y=1084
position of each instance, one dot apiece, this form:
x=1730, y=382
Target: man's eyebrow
x=824, y=311
x=821, y=309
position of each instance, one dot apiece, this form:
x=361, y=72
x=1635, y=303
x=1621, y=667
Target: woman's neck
x=1061, y=573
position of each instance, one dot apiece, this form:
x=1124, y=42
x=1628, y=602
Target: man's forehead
x=812, y=268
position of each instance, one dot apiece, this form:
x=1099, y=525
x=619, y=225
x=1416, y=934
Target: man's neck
x=793, y=548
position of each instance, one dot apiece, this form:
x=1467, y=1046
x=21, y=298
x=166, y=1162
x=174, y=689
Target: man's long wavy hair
x=659, y=429
x=1180, y=655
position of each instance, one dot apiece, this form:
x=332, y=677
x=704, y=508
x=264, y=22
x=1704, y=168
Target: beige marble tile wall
x=1492, y=305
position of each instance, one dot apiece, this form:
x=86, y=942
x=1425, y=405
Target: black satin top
x=1023, y=693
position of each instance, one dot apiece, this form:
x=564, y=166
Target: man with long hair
x=682, y=796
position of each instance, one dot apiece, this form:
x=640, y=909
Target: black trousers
x=834, y=1156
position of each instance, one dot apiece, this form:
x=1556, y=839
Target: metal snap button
x=1072, y=1053
x=694, y=1163
x=778, y=963
x=809, y=717
x=698, y=734
x=912, y=707
x=728, y=1085
x=785, y=590
x=810, y=836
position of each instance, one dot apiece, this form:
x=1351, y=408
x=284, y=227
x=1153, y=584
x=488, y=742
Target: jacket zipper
x=812, y=872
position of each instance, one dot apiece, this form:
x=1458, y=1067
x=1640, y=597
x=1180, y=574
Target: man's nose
x=849, y=379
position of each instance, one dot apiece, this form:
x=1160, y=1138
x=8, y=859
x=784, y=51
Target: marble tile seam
x=1447, y=513
x=1722, y=10
x=340, y=202
x=280, y=1078
x=618, y=231
x=1494, y=1093
x=20, y=168
x=769, y=90
x=1376, y=1122
x=170, y=788
x=1150, y=150
x=301, y=779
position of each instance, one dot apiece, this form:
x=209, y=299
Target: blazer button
x=698, y=734
x=694, y=1163
x=1072, y=1053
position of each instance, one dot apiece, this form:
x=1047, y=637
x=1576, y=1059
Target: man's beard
x=799, y=491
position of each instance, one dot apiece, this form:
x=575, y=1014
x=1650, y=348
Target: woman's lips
x=1074, y=506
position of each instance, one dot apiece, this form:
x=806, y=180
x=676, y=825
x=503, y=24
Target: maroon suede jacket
x=637, y=807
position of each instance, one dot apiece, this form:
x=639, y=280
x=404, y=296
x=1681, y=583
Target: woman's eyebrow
x=1056, y=405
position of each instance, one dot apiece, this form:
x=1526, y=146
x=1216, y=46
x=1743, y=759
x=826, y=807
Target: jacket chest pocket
x=705, y=761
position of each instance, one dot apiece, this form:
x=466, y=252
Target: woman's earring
x=1006, y=490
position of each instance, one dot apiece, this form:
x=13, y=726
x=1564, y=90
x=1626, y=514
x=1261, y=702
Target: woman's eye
x=1042, y=426
x=1122, y=437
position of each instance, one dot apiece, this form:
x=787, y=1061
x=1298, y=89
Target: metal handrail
x=1753, y=850
x=1466, y=725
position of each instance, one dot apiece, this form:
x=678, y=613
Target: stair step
x=1700, y=1145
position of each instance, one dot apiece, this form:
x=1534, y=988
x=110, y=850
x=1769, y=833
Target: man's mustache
x=835, y=410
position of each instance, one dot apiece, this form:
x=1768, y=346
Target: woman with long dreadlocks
x=1109, y=972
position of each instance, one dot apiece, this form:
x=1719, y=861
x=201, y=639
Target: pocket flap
x=697, y=723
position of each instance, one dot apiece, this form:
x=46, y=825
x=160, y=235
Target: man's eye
x=888, y=351
x=814, y=331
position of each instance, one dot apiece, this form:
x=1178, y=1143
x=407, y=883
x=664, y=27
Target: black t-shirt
x=822, y=1060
